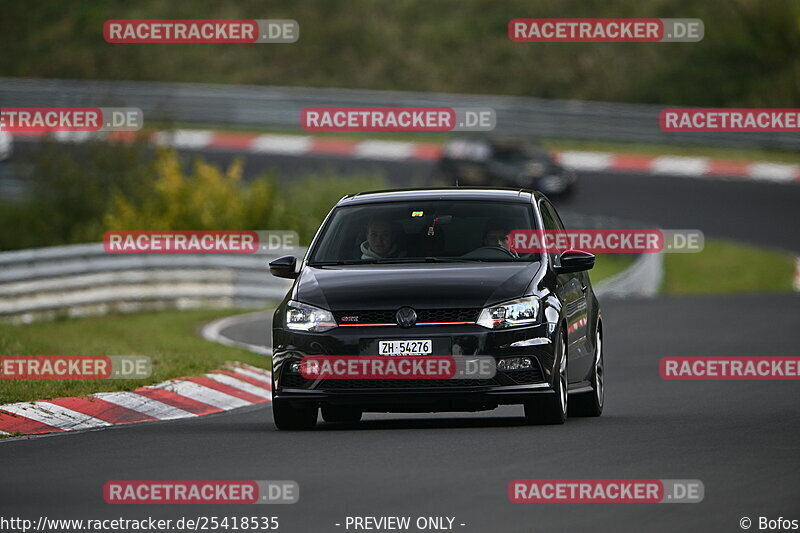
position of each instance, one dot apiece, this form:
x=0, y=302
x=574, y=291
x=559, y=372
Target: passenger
x=382, y=240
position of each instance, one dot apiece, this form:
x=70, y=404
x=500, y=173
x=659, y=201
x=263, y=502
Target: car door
x=572, y=288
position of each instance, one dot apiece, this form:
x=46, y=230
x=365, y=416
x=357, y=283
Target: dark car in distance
x=428, y=272
x=503, y=162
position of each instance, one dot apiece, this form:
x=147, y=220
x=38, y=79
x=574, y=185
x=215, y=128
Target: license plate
x=415, y=347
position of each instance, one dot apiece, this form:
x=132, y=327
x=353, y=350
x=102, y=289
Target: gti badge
x=406, y=317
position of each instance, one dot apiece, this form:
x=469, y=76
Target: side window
x=552, y=215
x=547, y=217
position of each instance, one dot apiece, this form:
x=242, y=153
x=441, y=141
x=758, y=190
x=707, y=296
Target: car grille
x=527, y=377
x=387, y=316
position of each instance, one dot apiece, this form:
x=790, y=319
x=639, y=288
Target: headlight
x=552, y=183
x=521, y=312
x=304, y=317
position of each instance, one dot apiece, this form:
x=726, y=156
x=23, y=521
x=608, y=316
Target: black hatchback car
x=429, y=272
x=504, y=162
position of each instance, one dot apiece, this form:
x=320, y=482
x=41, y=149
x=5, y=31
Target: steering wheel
x=477, y=251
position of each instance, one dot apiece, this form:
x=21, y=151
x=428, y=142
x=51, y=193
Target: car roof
x=442, y=193
x=500, y=141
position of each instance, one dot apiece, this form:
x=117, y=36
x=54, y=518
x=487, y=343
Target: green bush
x=205, y=198
x=68, y=191
x=212, y=198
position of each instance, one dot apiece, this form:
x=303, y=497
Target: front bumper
x=416, y=395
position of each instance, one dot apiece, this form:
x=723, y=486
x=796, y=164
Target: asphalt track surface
x=740, y=438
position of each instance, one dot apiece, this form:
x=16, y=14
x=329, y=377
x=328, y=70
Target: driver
x=497, y=234
x=382, y=240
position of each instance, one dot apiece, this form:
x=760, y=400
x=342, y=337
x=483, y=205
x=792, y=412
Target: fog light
x=514, y=363
x=295, y=367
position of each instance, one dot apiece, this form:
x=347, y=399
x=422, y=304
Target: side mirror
x=284, y=267
x=575, y=261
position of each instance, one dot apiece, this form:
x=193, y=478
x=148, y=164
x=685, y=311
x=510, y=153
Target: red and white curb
x=693, y=167
x=297, y=145
x=236, y=385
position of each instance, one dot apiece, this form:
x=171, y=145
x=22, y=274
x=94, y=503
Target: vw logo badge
x=406, y=317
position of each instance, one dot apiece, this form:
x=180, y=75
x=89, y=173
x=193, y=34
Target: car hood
x=431, y=286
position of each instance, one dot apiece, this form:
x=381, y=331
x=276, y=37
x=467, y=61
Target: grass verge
x=169, y=337
x=728, y=267
x=607, y=265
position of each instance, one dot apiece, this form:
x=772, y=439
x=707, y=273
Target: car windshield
x=423, y=231
x=519, y=153
x=511, y=156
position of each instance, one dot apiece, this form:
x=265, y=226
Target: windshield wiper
x=392, y=260
x=423, y=260
x=337, y=263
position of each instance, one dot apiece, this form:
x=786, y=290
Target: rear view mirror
x=284, y=267
x=574, y=261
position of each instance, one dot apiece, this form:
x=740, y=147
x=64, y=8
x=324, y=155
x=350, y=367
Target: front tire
x=552, y=409
x=289, y=418
x=591, y=403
